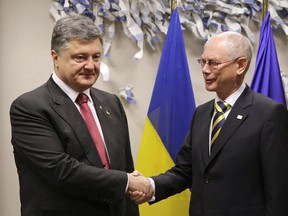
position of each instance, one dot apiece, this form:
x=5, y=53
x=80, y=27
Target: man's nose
x=89, y=63
x=206, y=68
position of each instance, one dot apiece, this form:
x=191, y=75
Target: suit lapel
x=235, y=118
x=63, y=105
x=109, y=120
x=206, y=127
x=104, y=114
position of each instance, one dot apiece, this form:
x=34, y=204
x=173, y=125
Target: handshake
x=140, y=189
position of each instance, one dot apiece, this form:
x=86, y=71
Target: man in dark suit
x=242, y=171
x=61, y=170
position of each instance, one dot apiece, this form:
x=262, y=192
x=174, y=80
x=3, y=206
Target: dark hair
x=77, y=27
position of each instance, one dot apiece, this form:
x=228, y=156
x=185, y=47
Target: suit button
x=207, y=180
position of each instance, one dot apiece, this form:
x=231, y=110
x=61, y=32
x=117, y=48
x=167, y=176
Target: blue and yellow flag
x=267, y=77
x=168, y=121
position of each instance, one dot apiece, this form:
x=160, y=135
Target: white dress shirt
x=72, y=94
x=231, y=99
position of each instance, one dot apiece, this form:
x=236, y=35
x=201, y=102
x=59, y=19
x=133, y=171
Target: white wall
x=25, y=63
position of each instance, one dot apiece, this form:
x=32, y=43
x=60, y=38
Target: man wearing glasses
x=235, y=156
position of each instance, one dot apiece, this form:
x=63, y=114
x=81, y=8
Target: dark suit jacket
x=247, y=173
x=60, y=171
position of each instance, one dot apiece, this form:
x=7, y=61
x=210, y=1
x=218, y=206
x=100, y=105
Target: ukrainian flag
x=168, y=120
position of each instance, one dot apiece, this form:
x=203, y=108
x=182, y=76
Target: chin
x=209, y=88
x=86, y=84
x=89, y=80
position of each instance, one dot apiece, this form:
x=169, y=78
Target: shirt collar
x=72, y=94
x=231, y=99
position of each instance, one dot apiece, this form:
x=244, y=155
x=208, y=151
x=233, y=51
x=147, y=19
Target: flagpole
x=265, y=9
x=173, y=5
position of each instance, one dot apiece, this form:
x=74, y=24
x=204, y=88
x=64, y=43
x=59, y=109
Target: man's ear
x=243, y=64
x=55, y=57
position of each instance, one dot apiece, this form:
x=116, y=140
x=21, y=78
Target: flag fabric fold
x=267, y=76
x=168, y=119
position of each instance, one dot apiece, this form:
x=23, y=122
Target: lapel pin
x=239, y=117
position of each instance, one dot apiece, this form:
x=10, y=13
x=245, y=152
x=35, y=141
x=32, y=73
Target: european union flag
x=267, y=77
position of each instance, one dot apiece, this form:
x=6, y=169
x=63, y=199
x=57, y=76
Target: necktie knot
x=222, y=106
x=82, y=98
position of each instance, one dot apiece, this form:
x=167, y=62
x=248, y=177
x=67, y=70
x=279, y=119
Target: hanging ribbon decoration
x=142, y=20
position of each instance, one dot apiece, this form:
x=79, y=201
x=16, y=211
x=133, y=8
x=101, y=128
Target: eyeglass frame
x=213, y=63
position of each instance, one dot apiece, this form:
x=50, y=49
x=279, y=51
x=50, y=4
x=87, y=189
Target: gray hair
x=239, y=45
x=77, y=27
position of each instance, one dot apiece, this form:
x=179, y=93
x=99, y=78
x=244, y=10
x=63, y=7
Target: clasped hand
x=139, y=188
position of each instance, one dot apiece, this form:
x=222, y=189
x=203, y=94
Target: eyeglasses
x=214, y=64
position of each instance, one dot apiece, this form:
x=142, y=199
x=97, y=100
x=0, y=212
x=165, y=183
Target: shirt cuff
x=153, y=187
x=127, y=184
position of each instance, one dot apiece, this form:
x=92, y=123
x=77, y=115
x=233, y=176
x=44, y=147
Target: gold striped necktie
x=220, y=107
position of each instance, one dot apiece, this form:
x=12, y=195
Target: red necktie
x=86, y=113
